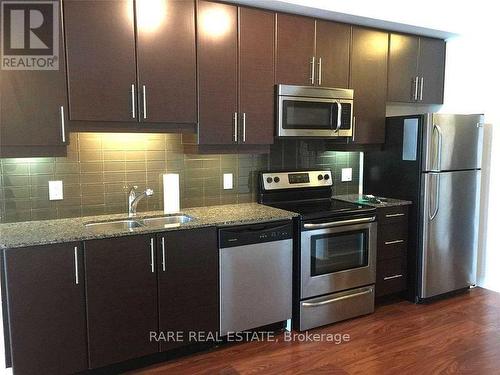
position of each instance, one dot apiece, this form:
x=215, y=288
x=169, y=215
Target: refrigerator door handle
x=436, y=197
x=439, y=146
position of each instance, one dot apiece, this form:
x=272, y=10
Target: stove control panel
x=295, y=180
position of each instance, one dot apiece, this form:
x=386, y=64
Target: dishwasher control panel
x=255, y=233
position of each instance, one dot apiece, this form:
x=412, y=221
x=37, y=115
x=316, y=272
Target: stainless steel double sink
x=169, y=221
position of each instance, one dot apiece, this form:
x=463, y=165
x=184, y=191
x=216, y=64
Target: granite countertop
x=356, y=198
x=31, y=233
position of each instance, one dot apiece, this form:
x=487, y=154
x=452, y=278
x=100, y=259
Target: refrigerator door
x=450, y=220
x=452, y=142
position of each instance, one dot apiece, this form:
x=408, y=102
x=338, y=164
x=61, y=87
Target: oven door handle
x=339, y=223
x=328, y=301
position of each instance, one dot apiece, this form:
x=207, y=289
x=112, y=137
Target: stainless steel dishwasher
x=255, y=264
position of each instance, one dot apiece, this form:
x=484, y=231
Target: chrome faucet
x=133, y=199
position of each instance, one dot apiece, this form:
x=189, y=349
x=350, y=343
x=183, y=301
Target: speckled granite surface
x=356, y=198
x=30, y=233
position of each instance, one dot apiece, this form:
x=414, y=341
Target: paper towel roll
x=171, y=193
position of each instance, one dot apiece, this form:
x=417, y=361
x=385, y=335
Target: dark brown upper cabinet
x=236, y=79
x=295, y=63
x=332, y=54
x=131, y=61
x=431, y=68
x=46, y=309
x=121, y=289
x=416, y=69
x=33, y=110
x=369, y=81
x=166, y=60
x=188, y=283
x=312, y=52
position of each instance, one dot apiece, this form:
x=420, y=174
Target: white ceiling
x=437, y=18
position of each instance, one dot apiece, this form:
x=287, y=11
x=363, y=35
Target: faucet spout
x=133, y=199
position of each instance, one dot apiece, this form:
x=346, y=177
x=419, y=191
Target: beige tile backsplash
x=100, y=167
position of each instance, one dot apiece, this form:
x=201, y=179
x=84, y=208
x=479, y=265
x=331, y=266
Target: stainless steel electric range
x=335, y=247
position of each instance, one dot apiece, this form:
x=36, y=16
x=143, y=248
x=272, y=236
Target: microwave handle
x=339, y=116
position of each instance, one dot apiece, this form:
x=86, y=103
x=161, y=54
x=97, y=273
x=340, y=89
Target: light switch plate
x=228, y=181
x=346, y=174
x=55, y=190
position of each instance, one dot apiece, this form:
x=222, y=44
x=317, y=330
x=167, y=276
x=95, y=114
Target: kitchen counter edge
x=46, y=232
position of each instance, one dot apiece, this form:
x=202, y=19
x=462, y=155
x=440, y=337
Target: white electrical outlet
x=346, y=174
x=55, y=190
x=228, y=181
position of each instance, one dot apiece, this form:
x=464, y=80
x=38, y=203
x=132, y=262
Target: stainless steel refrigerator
x=433, y=160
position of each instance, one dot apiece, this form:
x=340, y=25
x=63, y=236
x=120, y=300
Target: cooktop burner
x=307, y=193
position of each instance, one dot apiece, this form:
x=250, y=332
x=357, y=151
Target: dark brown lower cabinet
x=392, y=249
x=46, y=309
x=122, y=308
x=188, y=284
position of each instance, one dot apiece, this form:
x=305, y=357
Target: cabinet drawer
x=392, y=240
x=392, y=214
x=391, y=276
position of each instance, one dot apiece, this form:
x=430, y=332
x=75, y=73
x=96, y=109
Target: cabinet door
x=33, y=105
x=100, y=47
x=403, y=57
x=332, y=47
x=188, y=266
x=121, y=299
x=217, y=72
x=294, y=50
x=369, y=81
x=256, y=63
x=46, y=309
x=166, y=61
x=431, y=68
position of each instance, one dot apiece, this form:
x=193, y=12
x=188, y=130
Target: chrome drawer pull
x=77, y=278
x=392, y=277
x=394, y=242
x=151, y=245
x=315, y=304
x=394, y=215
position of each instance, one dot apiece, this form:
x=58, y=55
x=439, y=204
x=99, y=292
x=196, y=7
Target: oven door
x=314, y=117
x=337, y=256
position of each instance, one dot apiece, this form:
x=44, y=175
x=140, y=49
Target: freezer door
x=452, y=142
x=450, y=223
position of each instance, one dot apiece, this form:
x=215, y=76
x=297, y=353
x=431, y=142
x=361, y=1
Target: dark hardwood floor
x=459, y=335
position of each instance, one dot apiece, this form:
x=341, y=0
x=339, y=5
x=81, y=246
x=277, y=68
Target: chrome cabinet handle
x=421, y=88
x=394, y=215
x=353, y=128
x=315, y=304
x=392, y=277
x=339, y=223
x=144, y=105
x=415, y=93
x=132, y=95
x=77, y=279
x=163, y=261
x=152, y=246
x=313, y=65
x=235, y=122
x=393, y=242
x=320, y=71
x=63, y=125
x=244, y=127
x=436, y=209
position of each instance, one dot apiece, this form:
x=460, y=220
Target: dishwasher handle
x=255, y=233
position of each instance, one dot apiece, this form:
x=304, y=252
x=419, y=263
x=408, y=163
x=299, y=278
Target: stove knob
x=269, y=180
x=327, y=177
x=276, y=179
x=320, y=177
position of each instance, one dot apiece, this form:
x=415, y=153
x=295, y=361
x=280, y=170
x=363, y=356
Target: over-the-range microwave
x=319, y=112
